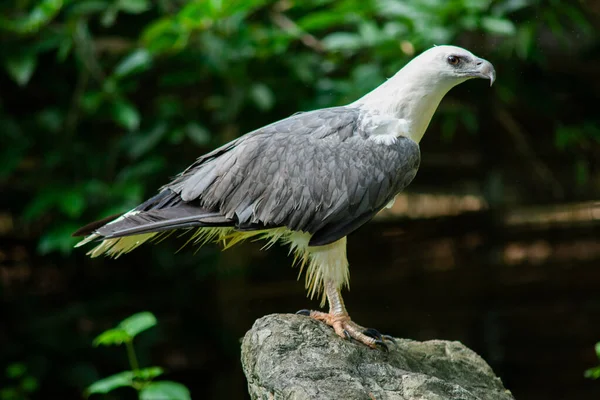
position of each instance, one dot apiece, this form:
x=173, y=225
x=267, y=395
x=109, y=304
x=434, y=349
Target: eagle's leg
x=328, y=269
x=340, y=321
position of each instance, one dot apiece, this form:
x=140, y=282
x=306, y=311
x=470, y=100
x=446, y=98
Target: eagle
x=306, y=181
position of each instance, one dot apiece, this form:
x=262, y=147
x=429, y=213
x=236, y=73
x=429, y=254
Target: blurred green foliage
x=102, y=100
x=594, y=372
x=140, y=379
x=22, y=384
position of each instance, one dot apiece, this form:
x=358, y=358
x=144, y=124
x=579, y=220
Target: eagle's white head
x=450, y=65
x=414, y=93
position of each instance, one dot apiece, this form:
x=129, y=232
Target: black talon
x=374, y=333
x=347, y=334
x=303, y=312
x=389, y=338
x=381, y=344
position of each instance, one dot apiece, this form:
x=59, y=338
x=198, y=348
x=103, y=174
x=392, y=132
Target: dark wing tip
x=92, y=226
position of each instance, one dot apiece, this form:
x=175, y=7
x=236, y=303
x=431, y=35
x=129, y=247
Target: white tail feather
x=322, y=263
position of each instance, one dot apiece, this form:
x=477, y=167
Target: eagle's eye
x=453, y=60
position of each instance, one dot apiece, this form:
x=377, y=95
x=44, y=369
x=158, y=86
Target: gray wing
x=314, y=172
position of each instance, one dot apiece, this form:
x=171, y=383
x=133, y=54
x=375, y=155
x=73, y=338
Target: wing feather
x=315, y=172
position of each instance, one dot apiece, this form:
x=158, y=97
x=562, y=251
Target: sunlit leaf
x=499, y=26
x=148, y=373
x=40, y=15
x=111, y=337
x=263, y=96
x=138, y=60
x=369, y=32
x=199, y=134
x=134, y=6
x=196, y=14
x=592, y=373
x=138, y=323
x=165, y=35
x=165, y=390
x=109, y=16
x=103, y=386
x=125, y=114
x=21, y=67
x=342, y=41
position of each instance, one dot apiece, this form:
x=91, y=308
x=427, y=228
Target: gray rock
x=288, y=356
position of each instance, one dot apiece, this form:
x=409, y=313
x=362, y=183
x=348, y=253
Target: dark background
x=494, y=244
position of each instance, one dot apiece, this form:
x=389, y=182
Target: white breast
x=385, y=129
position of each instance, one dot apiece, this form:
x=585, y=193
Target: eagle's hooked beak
x=485, y=70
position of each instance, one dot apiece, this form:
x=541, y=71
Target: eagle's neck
x=413, y=94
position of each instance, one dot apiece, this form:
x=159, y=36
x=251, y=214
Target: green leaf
x=41, y=15
x=103, y=386
x=149, y=373
x=199, y=134
x=499, y=26
x=148, y=140
x=195, y=15
x=369, y=32
x=126, y=115
x=134, y=6
x=10, y=393
x=525, y=40
x=138, y=323
x=320, y=20
x=165, y=35
x=29, y=384
x=91, y=101
x=165, y=390
x=21, y=68
x=87, y=7
x=597, y=347
x=51, y=119
x=342, y=41
x=72, y=203
x=111, y=337
x=592, y=373
x=139, y=60
x=16, y=370
x=58, y=238
x=262, y=96
x=110, y=16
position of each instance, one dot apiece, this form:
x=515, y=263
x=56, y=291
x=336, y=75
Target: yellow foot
x=345, y=328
